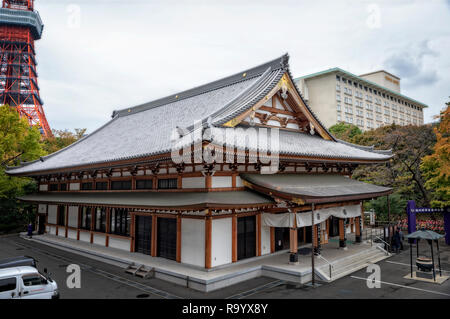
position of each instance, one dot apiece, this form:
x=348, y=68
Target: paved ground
x=104, y=280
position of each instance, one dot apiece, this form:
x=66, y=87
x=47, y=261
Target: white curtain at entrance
x=304, y=218
x=278, y=220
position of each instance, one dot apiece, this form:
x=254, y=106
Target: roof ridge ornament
x=284, y=62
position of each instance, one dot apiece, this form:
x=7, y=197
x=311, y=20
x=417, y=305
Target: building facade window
x=86, y=218
x=120, y=222
x=144, y=184
x=101, y=186
x=53, y=187
x=121, y=185
x=63, y=187
x=100, y=219
x=169, y=183
x=86, y=186
x=62, y=215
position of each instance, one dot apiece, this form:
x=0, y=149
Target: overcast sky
x=97, y=56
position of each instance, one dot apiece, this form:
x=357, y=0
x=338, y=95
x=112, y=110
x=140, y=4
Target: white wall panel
x=221, y=181
x=100, y=239
x=74, y=186
x=73, y=216
x=119, y=243
x=42, y=208
x=221, y=246
x=85, y=236
x=194, y=182
x=265, y=239
x=72, y=234
x=193, y=241
x=52, y=212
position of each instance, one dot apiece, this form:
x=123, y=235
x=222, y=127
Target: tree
x=344, y=131
x=18, y=142
x=62, y=139
x=436, y=167
x=380, y=207
x=409, y=145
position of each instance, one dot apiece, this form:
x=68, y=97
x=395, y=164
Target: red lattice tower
x=20, y=26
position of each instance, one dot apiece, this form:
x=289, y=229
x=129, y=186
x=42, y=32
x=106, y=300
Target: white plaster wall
x=74, y=186
x=193, y=182
x=119, y=243
x=43, y=187
x=193, y=241
x=239, y=182
x=221, y=246
x=85, y=236
x=72, y=234
x=52, y=230
x=73, y=216
x=42, y=208
x=61, y=231
x=52, y=212
x=221, y=181
x=265, y=239
x=99, y=239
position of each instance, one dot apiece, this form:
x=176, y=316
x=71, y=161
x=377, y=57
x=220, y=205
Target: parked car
x=18, y=261
x=26, y=282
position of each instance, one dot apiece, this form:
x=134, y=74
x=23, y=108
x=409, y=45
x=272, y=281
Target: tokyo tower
x=20, y=26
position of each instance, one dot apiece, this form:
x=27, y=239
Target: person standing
x=402, y=237
x=396, y=241
x=30, y=230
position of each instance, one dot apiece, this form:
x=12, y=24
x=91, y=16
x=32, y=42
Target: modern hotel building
x=369, y=101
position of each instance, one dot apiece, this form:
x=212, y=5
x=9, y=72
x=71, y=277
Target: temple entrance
x=167, y=238
x=41, y=222
x=143, y=235
x=246, y=237
x=334, y=226
x=281, y=238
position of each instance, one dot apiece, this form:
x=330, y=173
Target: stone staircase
x=350, y=264
x=140, y=271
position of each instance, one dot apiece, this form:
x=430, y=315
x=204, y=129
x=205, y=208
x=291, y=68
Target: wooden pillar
x=79, y=222
x=154, y=237
x=316, y=236
x=108, y=228
x=208, y=238
x=342, y=243
x=293, y=242
x=66, y=222
x=93, y=220
x=57, y=220
x=132, y=233
x=258, y=234
x=178, y=259
x=208, y=181
x=234, y=237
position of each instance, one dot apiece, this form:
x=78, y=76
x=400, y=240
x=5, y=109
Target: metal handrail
x=377, y=237
x=330, y=265
x=387, y=252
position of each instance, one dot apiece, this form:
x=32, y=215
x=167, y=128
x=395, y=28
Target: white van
x=26, y=282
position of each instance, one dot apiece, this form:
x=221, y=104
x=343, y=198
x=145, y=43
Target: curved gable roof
x=147, y=129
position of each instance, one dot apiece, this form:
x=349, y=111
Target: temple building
x=236, y=168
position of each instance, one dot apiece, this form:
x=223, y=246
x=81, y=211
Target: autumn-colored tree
x=62, y=139
x=344, y=131
x=436, y=167
x=409, y=145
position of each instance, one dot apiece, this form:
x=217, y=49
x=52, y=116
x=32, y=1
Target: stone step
x=351, y=264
